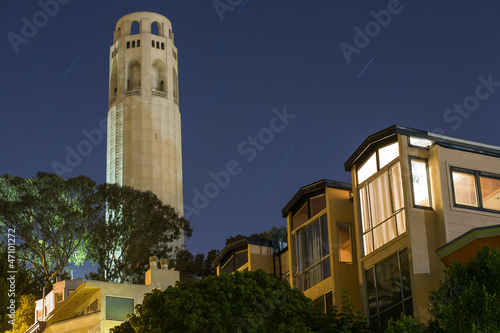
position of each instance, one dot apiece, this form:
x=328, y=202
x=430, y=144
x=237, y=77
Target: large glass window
x=312, y=207
x=476, y=189
x=236, y=261
x=384, y=156
x=389, y=287
x=312, y=260
x=117, y=308
x=420, y=182
x=382, y=209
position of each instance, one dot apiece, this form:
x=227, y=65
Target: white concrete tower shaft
x=144, y=122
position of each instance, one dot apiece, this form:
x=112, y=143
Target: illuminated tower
x=144, y=122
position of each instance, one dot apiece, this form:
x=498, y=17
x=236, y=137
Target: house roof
x=441, y=140
x=305, y=190
x=240, y=243
x=464, y=247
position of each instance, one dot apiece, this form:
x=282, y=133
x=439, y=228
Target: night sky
x=235, y=68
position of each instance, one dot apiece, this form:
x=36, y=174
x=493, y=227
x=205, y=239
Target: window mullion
x=478, y=190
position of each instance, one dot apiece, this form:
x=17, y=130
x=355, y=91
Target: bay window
x=382, y=208
x=420, y=182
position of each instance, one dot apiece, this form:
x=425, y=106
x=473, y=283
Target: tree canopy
x=195, y=267
x=468, y=298
x=49, y=218
x=240, y=302
x=263, y=235
x=57, y=222
x=133, y=225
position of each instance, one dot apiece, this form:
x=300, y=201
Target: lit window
x=490, y=192
x=465, y=189
x=312, y=207
x=317, y=204
x=301, y=216
x=382, y=209
x=384, y=155
x=476, y=189
x=387, y=154
x=420, y=182
x=419, y=142
x=368, y=169
x=345, y=242
x=235, y=262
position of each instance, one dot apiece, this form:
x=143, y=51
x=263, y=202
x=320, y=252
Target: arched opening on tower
x=134, y=76
x=135, y=28
x=176, y=86
x=170, y=33
x=118, y=33
x=158, y=75
x=156, y=29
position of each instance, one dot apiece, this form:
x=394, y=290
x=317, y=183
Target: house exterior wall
x=426, y=228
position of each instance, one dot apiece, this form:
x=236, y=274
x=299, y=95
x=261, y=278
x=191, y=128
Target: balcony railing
x=155, y=92
x=133, y=93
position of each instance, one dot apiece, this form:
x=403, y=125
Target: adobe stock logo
x=482, y=92
x=29, y=29
x=372, y=29
x=248, y=149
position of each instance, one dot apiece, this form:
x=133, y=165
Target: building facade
x=144, y=122
x=414, y=193
x=85, y=306
x=251, y=254
x=322, y=251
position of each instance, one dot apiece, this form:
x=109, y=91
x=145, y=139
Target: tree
x=241, y=302
x=195, y=267
x=49, y=218
x=405, y=324
x=25, y=314
x=270, y=235
x=468, y=298
x=132, y=226
x=342, y=322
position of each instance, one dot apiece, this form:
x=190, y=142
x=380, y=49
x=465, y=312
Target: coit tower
x=144, y=122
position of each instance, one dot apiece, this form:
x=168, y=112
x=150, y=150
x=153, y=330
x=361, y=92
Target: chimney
x=153, y=262
x=164, y=263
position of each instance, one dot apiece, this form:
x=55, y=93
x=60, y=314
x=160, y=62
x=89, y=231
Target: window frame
x=375, y=151
x=352, y=243
x=373, y=269
x=477, y=182
x=298, y=276
x=394, y=212
x=429, y=194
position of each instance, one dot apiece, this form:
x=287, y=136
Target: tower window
x=170, y=33
x=155, y=28
x=135, y=28
x=139, y=43
x=152, y=43
x=157, y=45
x=128, y=45
x=163, y=46
x=133, y=44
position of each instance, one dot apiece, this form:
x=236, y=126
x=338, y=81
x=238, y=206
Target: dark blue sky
x=233, y=73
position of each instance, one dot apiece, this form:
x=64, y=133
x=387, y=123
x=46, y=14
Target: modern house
x=251, y=254
x=85, y=306
x=419, y=197
x=322, y=249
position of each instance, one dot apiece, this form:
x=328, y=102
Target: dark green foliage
x=195, y=267
x=49, y=216
x=263, y=235
x=241, y=302
x=468, y=298
x=133, y=225
x=334, y=321
x=405, y=324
